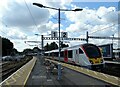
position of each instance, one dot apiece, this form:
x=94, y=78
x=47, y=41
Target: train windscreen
x=92, y=51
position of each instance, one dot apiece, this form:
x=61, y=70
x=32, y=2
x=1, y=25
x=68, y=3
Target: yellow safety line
x=82, y=70
x=30, y=71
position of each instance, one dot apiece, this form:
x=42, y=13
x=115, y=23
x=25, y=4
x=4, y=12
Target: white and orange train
x=85, y=55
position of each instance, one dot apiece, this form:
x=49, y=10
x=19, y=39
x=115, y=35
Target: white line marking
x=104, y=75
x=115, y=77
x=81, y=68
x=95, y=72
x=49, y=79
x=88, y=70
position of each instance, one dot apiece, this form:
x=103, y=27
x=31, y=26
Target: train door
x=66, y=55
x=82, y=58
x=76, y=56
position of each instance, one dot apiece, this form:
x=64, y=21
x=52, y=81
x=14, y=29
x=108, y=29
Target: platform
x=20, y=76
x=39, y=76
x=35, y=73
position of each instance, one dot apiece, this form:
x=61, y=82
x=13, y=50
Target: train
x=13, y=58
x=116, y=54
x=85, y=55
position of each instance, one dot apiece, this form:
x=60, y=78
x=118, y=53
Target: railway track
x=111, y=69
x=11, y=67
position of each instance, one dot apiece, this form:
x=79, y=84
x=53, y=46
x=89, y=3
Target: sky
x=20, y=20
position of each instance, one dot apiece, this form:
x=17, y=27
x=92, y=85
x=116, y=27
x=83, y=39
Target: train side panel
x=86, y=55
x=75, y=57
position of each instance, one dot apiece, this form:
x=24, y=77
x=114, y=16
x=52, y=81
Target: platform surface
x=39, y=76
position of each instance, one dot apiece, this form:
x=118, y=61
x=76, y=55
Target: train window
x=92, y=51
x=56, y=54
x=69, y=53
x=80, y=51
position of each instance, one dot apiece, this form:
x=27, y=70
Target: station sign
x=64, y=35
x=54, y=34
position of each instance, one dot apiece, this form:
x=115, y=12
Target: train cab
x=94, y=55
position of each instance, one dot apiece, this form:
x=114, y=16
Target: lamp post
x=42, y=6
x=37, y=46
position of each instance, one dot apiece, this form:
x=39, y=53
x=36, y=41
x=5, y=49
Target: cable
x=7, y=36
x=106, y=27
x=102, y=29
x=4, y=23
x=3, y=31
x=31, y=15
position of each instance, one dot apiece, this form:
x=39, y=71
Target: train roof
x=70, y=48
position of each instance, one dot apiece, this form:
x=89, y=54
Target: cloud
x=89, y=19
x=18, y=15
x=16, y=34
x=20, y=45
x=98, y=22
x=108, y=15
x=21, y=24
x=96, y=1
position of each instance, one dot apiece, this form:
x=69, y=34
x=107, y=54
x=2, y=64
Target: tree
x=27, y=51
x=46, y=48
x=7, y=47
x=64, y=45
x=36, y=49
x=53, y=46
x=14, y=52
